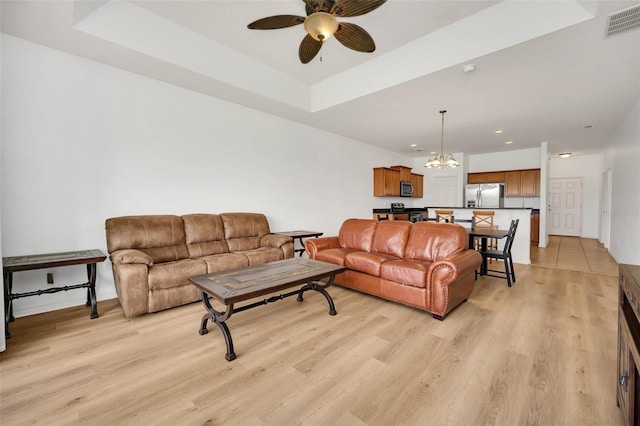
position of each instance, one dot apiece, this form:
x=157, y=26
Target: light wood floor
x=540, y=353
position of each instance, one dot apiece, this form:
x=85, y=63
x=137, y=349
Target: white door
x=565, y=206
x=445, y=191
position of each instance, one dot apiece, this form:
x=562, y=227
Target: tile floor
x=575, y=254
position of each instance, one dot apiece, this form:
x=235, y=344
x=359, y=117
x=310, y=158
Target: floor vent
x=625, y=20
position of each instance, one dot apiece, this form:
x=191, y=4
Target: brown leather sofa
x=153, y=256
x=425, y=264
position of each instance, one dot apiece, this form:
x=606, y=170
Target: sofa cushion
x=160, y=236
x=408, y=272
x=175, y=274
x=369, y=263
x=357, y=234
x=262, y=255
x=391, y=237
x=204, y=235
x=243, y=231
x=334, y=255
x=432, y=241
x=225, y=262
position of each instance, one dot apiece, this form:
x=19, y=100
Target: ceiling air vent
x=625, y=20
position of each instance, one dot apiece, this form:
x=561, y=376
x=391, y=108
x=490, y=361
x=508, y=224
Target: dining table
x=484, y=233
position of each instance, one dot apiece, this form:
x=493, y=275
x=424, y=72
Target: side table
x=299, y=235
x=50, y=260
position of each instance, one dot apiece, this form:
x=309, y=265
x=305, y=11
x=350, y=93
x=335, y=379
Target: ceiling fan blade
x=354, y=37
x=309, y=48
x=275, y=22
x=348, y=8
x=312, y=5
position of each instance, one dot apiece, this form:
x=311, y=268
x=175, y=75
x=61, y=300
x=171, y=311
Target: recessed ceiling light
x=564, y=155
x=469, y=68
x=432, y=152
x=508, y=142
x=497, y=132
x=413, y=145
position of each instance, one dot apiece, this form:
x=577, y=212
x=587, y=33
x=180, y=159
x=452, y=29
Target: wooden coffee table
x=238, y=285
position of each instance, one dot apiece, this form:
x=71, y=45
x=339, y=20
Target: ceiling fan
x=321, y=24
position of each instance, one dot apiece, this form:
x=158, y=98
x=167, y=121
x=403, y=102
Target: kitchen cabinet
x=512, y=184
x=386, y=182
x=405, y=172
x=517, y=183
x=535, y=229
x=628, y=379
x=485, y=177
x=418, y=185
x=530, y=183
x=522, y=183
x=494, y=177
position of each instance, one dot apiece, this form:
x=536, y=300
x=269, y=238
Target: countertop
x=406, y=210
x=422, y=209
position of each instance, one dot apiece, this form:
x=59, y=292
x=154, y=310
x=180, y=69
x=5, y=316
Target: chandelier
x=440, y=161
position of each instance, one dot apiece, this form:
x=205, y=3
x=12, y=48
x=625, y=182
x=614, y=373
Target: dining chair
x=444, y=215
x=504, y=255
x=484, y=219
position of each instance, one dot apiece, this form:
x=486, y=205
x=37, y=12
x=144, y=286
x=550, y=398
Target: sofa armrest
x=462, y=263
x=314, y=245
x=274, y=240
x=451, y=280
x=130, y=256
x=282, y=242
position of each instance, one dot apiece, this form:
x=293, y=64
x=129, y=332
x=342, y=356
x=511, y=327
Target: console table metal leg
x=91, y=290
x=218, y=318
x=8, y=303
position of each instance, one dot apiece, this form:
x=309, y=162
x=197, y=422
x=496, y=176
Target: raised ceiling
x=543, y=69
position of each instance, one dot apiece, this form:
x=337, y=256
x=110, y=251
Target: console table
x=50, y=260
x=299, y=235
x=628, y=387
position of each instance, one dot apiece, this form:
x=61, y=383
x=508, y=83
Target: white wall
x=587, y=167
x=82, y=142
x=622, y=157
x=505, y=160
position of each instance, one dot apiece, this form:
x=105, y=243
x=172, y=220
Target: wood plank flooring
x=540, y=353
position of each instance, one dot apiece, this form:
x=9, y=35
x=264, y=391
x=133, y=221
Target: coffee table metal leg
x=218, y=318
x=320, y=288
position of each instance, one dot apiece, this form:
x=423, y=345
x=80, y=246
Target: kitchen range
x=398, y=211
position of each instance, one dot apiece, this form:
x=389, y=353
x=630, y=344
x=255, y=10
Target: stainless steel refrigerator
x=484, y=195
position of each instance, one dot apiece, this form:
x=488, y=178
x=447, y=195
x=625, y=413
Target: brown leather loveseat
x=153, y=256
x=424, y=264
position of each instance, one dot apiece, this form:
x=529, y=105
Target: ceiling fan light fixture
x=321, y=25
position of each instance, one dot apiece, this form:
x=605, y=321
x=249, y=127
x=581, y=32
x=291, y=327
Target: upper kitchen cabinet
x=405, y=172
x=386, y=182
x=486, y=177
x=512, y=184
x=530, y=183
x=522, y=183
x=418, y=184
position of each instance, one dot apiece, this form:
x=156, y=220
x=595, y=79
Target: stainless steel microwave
x=406, y=189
